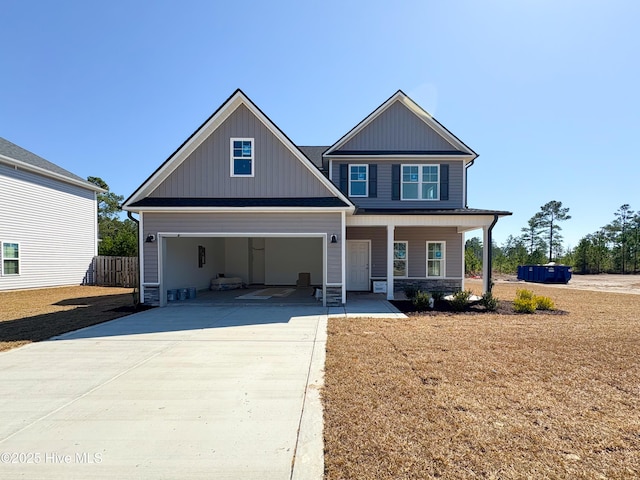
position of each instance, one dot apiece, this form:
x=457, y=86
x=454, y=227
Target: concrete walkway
x=221, y=392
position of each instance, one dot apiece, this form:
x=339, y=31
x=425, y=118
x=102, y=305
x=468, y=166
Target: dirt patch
x=598, y=283
x=33, y=315
x=487, y=396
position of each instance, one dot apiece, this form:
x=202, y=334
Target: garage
x=269, y=260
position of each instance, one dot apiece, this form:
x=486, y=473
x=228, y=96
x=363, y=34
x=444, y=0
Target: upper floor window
x=242, y=157
x=10, y=258
x=420, y=182
x=358, y=179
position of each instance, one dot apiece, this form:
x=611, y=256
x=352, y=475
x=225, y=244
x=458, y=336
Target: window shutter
x=344, y=178
x=395, y=182
x=373, y=181
x=444, y=182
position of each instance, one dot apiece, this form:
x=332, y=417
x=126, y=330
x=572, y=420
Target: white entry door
x=357, y=265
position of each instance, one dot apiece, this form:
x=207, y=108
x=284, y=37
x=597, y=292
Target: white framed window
x=10, y=258
x=400, y=259
x=358, y=180
x=420, y=182
x=436, y=252
x=242, y=157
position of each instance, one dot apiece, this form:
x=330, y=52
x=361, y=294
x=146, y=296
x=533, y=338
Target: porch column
x=390, y=239
x=486, y=247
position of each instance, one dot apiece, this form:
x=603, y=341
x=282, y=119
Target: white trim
x=239, y=209
x=141, y=256
x=2, y=259
x=421, y=113
x=420, y=182
x=331, y=170
x=366, y=181
x=17, y=164
x=233, y=157
x=443, y=261
x=406, y=259
x=206, y=130
x=391, y=236
x=343, y=254
x=462, y=222
x=368, y=242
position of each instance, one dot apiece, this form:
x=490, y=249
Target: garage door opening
x=249, y=262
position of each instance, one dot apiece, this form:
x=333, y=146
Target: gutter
x=136, y=299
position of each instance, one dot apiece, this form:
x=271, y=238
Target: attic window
x=242, y=157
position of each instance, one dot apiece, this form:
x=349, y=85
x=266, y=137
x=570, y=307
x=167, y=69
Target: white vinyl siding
x=54, y=224
x=400, y=259
x=358, y=180
x=10, y=258
x=436, y=259
x=420, y=182
x=242, y=157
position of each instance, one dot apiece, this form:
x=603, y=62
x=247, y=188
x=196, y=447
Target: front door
x=358, y=265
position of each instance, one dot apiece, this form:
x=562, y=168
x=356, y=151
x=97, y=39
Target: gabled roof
x=205, y=130
x=459, y=148
x=16, y=156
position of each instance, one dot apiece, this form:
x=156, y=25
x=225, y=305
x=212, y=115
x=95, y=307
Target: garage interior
x=259, y=263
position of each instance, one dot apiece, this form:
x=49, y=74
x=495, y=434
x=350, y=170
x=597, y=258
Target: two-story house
x=385, y=203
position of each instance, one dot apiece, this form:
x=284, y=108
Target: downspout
x=136, y=300
x=466, y=183
x=490, y=252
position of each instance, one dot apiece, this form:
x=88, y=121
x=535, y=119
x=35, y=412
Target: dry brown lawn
x=485, y=395
x=32, y=315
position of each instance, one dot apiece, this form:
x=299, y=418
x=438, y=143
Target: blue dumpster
x=550, y=273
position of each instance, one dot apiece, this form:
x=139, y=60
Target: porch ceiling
x=463, y=221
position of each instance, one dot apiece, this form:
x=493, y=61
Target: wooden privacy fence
x=115, y=271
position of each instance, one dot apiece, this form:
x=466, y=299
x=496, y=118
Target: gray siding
x=383, y=200
x=397, y=128
x=55, y=224
x=417, y=238
x=206, y=172
x=251, y=223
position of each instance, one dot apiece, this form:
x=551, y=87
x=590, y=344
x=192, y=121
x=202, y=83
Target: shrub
x=422, y=301
x=544, y=303
x=489, y=302
x=460, y=300
x=437, y=296
x=410, y=291
x=524, y=294
x=524, y=305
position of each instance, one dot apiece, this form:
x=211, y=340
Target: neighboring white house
x=48, y=222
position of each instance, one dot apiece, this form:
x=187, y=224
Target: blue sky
x=546, y=91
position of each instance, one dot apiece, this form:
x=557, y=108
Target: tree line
x=613, y=248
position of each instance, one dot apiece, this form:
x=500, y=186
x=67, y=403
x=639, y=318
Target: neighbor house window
x=435, y=259
x=10, y=258
x=420, y=182
x=358, y=177
x=242, y=157
x=400, y=259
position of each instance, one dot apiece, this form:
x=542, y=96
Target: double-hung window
x=400, y=259
x=358, y=180
x=420, y=182
x=242, y=157
x=10, y=258
x=435, y=259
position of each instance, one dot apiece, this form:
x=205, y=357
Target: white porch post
x=486, y=246
x=390, y=239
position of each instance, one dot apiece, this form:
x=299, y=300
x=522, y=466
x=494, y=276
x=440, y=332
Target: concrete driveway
x=191, y=392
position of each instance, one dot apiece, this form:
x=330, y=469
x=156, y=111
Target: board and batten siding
x=207, y=171
x=417, y=238
x=55, y=224
x=238, y=223
x=383, y=199
x=397, y=128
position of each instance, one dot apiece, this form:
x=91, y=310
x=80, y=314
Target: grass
x=487, y=396
x=33, y=315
